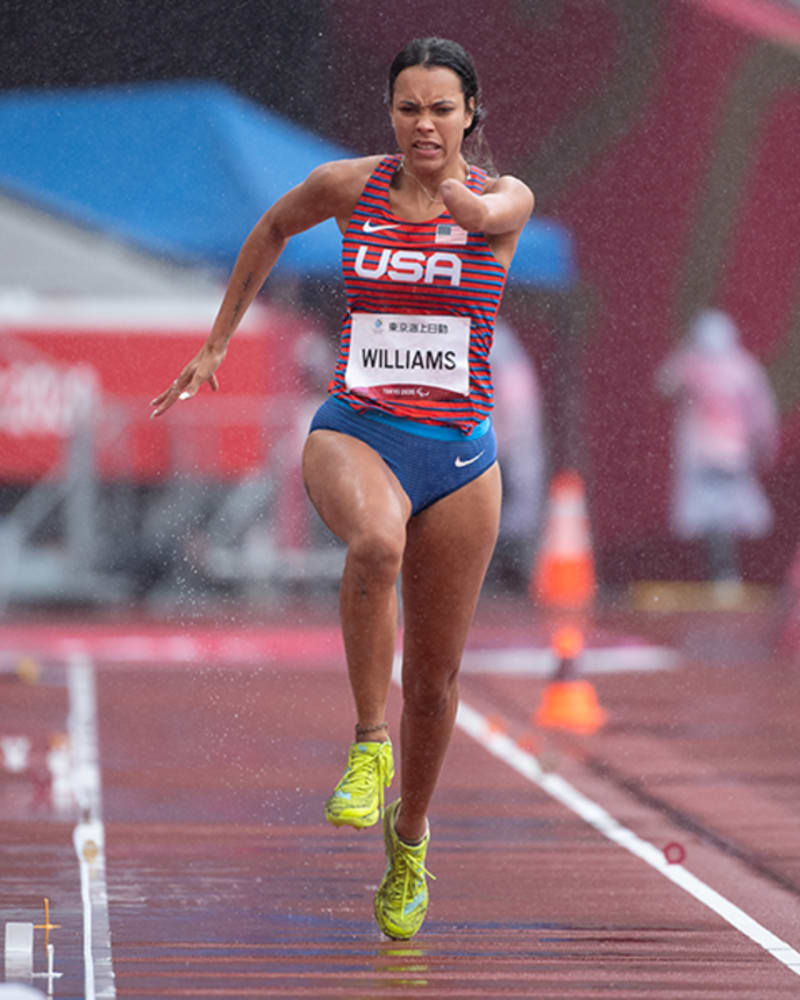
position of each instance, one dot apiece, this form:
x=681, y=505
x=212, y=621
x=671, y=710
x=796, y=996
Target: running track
x=189, y=858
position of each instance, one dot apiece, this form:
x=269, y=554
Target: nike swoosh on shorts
x=461, y=462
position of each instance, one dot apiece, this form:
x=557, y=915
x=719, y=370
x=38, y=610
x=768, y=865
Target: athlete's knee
x=376, y=555
x=430, y=693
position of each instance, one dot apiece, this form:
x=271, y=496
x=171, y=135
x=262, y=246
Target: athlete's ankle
x=376, y=732
x=411, y=835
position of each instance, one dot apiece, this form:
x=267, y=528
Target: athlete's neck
x=431, y=192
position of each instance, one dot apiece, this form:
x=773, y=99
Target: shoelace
x=407, y=866
x=359, y=773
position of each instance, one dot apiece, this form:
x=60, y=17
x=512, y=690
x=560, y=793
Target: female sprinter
x=400, y=461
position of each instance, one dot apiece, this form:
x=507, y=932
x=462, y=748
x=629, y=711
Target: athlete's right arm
x=331, y=190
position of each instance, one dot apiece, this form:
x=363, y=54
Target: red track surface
x=224, y=881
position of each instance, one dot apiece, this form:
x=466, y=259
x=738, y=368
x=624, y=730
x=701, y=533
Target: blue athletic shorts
x=429, y=461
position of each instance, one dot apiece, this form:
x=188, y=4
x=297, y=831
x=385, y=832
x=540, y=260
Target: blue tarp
x=186, y=170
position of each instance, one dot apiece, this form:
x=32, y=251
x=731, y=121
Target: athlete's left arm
x=504, y=207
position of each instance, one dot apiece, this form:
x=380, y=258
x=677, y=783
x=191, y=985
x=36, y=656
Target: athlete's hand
x=200, y=369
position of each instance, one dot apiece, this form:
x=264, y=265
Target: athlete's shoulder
x=341, y=182
x=349, y=173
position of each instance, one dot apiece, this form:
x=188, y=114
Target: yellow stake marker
x=46, y=926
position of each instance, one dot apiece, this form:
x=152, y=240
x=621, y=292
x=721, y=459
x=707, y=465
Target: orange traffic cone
x=563, y=576
x=564, y=580
x=569, y=702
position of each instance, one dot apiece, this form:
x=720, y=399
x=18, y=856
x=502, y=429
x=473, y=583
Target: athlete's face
x=429, y=116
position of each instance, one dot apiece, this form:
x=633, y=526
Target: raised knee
x=376, y=556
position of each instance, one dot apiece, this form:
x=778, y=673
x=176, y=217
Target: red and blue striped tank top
x=427, y=272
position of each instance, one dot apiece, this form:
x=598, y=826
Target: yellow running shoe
x=401, y=901
x=358, y=798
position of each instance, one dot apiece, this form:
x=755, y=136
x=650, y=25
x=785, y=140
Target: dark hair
x=441, y=52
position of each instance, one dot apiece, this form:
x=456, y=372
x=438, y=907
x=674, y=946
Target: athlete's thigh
x=448, y=549
x=350, y=484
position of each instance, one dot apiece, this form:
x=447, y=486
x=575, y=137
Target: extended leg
x=448, y=550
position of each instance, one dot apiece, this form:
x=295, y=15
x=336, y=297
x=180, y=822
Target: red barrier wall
x=107, y=366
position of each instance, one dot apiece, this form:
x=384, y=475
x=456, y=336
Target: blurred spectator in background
x=517, y=417
x=726, y=433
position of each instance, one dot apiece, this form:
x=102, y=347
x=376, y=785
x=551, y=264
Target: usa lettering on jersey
x=410, y=265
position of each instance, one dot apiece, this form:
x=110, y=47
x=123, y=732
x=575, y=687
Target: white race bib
x=398, y=349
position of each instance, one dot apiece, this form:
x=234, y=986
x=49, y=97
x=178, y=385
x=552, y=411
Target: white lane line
x=89, y=835
x=501, y=746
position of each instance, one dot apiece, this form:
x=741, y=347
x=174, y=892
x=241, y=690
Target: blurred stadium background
x=141, y=143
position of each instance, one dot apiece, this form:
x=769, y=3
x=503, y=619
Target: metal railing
x=76, y=535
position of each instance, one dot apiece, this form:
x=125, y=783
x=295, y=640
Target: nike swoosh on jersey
x=461, y=462
x=375, y=227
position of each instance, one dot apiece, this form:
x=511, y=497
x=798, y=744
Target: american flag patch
x=450, y=234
